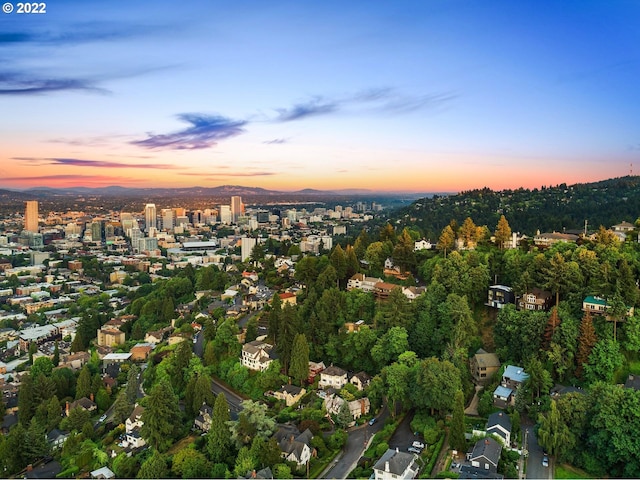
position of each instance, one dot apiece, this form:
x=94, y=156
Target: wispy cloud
x=383, y=100
x=205, y=132
x=77, y=162
x=314, y=107
x=276, y=141
x=70, y=177
x=229, y=174
x=27, y=84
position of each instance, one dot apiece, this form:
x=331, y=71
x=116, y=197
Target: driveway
x=534, y=459
x=357, y=442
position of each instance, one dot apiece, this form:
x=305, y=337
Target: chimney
x=91, y=397
x=254, y=474
x=66, y=409
x=386, y=466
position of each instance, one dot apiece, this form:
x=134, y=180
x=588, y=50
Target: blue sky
x=409, y=95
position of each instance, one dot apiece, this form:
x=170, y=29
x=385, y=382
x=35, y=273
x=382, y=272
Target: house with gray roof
x=499, y=424
x=295, y=446
x=504, y=395
x=396, y=465
x=486, y=454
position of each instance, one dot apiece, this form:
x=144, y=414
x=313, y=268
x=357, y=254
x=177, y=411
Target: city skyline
x=410, y=96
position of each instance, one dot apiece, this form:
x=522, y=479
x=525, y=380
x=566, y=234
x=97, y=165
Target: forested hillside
x=546, y=209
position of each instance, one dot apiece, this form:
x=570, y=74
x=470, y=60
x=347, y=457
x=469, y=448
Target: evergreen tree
x=26, y=400
x=251, y=333
x=56, y=355
x=245, y=463
x=133, y=384
x=179, y=365
x=457, y=429
x=361, y=244
x=161, y=416
x=403, y=253
x=154, y=467
x=299, y=368
x=553, y=434
x=286, y=335
x=274, y=317
x=339, y=261
x=503, y=232
x=343, y=417
x=552, y=324
x=586, y=342
x=202, y=393
x=219, y=446
x=353, y=266
x=446, y=240
x=121, y=408
x=83, y=386
x=468, y=233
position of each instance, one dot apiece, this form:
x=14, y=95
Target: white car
x=103, y=418
x=418, y=444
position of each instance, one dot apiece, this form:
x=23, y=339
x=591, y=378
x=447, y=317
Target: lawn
x=565, y=470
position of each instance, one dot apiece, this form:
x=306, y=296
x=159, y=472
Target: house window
x=486, y=466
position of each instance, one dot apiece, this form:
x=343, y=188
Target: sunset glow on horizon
x=437, y=96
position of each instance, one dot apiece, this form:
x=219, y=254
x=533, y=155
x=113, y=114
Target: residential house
x=621, y=230
x=295, y=446
x=413, y=292
x=333, y=377
x=599, y=306
x=103, y=473
x=484, y=365
x=133, y=440
x=361, y=380
x=633, y=382
x=535, y=299
x=505, y=393
x=361, y=282
x=486, y=455
x=358, y=407
x=134, y=422
x=499, y=424
x=257, y=355
x=110, y=337
x=288, y=297
x=203, y=420
x=383, y=289
x=74, y=361
x=56, y=438
x=84, y=403
x=396, y=465
x=290, y=394
x=140, y=351
x=314, y=370
x=499, y=296
x=548, y=239
x=422, y=245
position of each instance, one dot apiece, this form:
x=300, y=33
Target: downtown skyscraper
x=150, y=217
x=236, y=208
x=31, y=216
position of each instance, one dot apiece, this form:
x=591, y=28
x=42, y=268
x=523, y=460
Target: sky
x=417, y=96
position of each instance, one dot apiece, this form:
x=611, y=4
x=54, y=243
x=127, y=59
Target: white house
x=396, y=465
x=256, y=355
x=334, y=377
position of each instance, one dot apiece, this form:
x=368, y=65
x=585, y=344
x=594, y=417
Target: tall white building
x=168, y=219
x=236, y=208
x=225, y=214
x=150, y=216
x=247, y=247
x=31, y=216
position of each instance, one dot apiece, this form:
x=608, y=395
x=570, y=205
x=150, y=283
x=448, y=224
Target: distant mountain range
x=224, y=190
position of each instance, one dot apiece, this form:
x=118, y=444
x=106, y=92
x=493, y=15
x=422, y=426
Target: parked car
x=414, y=450
x=545, y=461
x=418, y=444
x=372, y=421
x=103, y=418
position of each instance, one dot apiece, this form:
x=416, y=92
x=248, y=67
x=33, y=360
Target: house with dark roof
x=295, y=446
x=633, y=382
x=500, y=295
x=84, y=403
x=56, y=438
x=535, y=299
x=486, y=454
x=499, y=424
x=333, y=377
x=361, y=380
x=396, y=465
x=203, y=420
x=290, y=394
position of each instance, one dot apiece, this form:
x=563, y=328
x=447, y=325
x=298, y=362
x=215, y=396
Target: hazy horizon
x=415, y=97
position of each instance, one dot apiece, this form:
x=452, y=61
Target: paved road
x=357, y=442
x=534, y=459
x=233, y=399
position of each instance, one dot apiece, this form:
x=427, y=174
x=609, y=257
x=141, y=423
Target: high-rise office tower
x=150, y=216
x=225, y=214
x=236, y=208
x=168, y=219
x=31, y=216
